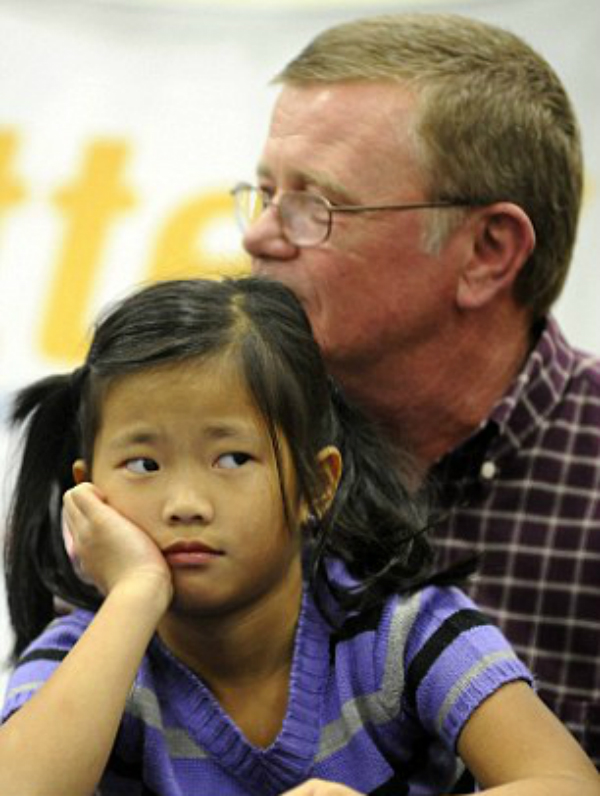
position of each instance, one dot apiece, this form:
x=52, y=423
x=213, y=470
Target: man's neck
x=430, y=404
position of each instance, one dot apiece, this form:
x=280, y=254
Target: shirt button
x=488, y=470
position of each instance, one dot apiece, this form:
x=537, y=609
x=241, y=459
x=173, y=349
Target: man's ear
x=329, y=462
x=504, y=238
x=80, y=471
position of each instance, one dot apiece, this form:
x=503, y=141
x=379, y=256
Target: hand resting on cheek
x=106, y=547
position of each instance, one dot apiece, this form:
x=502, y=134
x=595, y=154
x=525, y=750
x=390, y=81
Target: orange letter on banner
x=11, y=191
x=90, y=205
x=183, y=248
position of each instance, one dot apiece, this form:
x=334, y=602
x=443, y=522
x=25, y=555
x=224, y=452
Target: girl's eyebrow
x=213, y=431
x=135, y=437
x=232, y=430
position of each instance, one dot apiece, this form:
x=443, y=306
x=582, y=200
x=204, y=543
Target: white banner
x=123, y=126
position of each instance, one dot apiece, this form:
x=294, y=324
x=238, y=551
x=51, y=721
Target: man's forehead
x=320, y=132
x=321, y=96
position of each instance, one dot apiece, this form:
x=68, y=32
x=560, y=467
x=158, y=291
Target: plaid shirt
x=524, y=492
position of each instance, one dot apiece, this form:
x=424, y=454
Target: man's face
x=372, y=285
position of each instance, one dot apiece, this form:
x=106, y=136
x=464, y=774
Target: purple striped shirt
x=378, y=705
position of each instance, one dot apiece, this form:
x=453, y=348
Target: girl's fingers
x=84, y=498
x=67, y=535
x=108, y=546
x=86, y=510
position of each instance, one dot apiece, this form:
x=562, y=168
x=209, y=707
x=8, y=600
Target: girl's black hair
x=374, y=525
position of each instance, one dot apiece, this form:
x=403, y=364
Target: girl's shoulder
x=417, y=614
x=58, y=637
x=430, y=654
x=42, y=657
x=454, y=656
x=432, y=607
x=439, y=620
x=423, y=635
x=393, y=633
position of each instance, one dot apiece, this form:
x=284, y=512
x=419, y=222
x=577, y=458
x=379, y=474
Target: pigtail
x=37, y=568
x=376, y=525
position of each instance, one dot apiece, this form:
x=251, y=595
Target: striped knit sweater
x=377, y=706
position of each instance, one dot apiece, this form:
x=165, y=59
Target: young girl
x=256, y=622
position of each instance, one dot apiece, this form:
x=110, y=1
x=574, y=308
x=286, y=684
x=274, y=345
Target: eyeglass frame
x=269, y=201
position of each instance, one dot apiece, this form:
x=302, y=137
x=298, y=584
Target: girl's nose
x=188, y=506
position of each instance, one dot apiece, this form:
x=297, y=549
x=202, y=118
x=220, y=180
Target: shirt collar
x=519, y=413
x=536, y=389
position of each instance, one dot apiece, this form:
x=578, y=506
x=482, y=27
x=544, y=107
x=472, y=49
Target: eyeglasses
x=306, y=218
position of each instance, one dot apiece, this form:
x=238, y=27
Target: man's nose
x=265, y=237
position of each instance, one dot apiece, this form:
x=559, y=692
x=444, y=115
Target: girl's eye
x=141, y=466
x=230, y=461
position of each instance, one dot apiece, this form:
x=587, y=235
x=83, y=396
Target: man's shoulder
x=578, y=403
x=559, y=385
x=586, y=371
x=581, y=368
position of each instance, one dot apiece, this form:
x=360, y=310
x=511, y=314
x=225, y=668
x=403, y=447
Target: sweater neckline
x=288, y=759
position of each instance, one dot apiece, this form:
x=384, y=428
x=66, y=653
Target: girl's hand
x=108, y=548
x=319, y=787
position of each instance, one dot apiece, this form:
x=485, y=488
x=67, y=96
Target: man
x=419, y=190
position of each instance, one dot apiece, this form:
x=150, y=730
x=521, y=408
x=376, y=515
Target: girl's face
x=184, y=454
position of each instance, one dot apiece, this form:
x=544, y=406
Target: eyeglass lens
x=249, y=204
x=305, y=219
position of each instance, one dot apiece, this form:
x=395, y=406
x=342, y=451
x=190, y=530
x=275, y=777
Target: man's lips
x=190, y=554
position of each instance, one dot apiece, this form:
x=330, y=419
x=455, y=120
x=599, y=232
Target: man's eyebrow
x=322, y=181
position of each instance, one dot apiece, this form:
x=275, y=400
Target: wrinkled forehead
x=334, y=135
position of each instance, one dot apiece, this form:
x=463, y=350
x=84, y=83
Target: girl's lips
x=189, y=554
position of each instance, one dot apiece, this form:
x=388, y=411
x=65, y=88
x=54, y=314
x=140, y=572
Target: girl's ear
x=80, y=471
x=329, y=462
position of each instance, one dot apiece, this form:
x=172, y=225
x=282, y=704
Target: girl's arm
x=514, y=746
x=60, y=741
